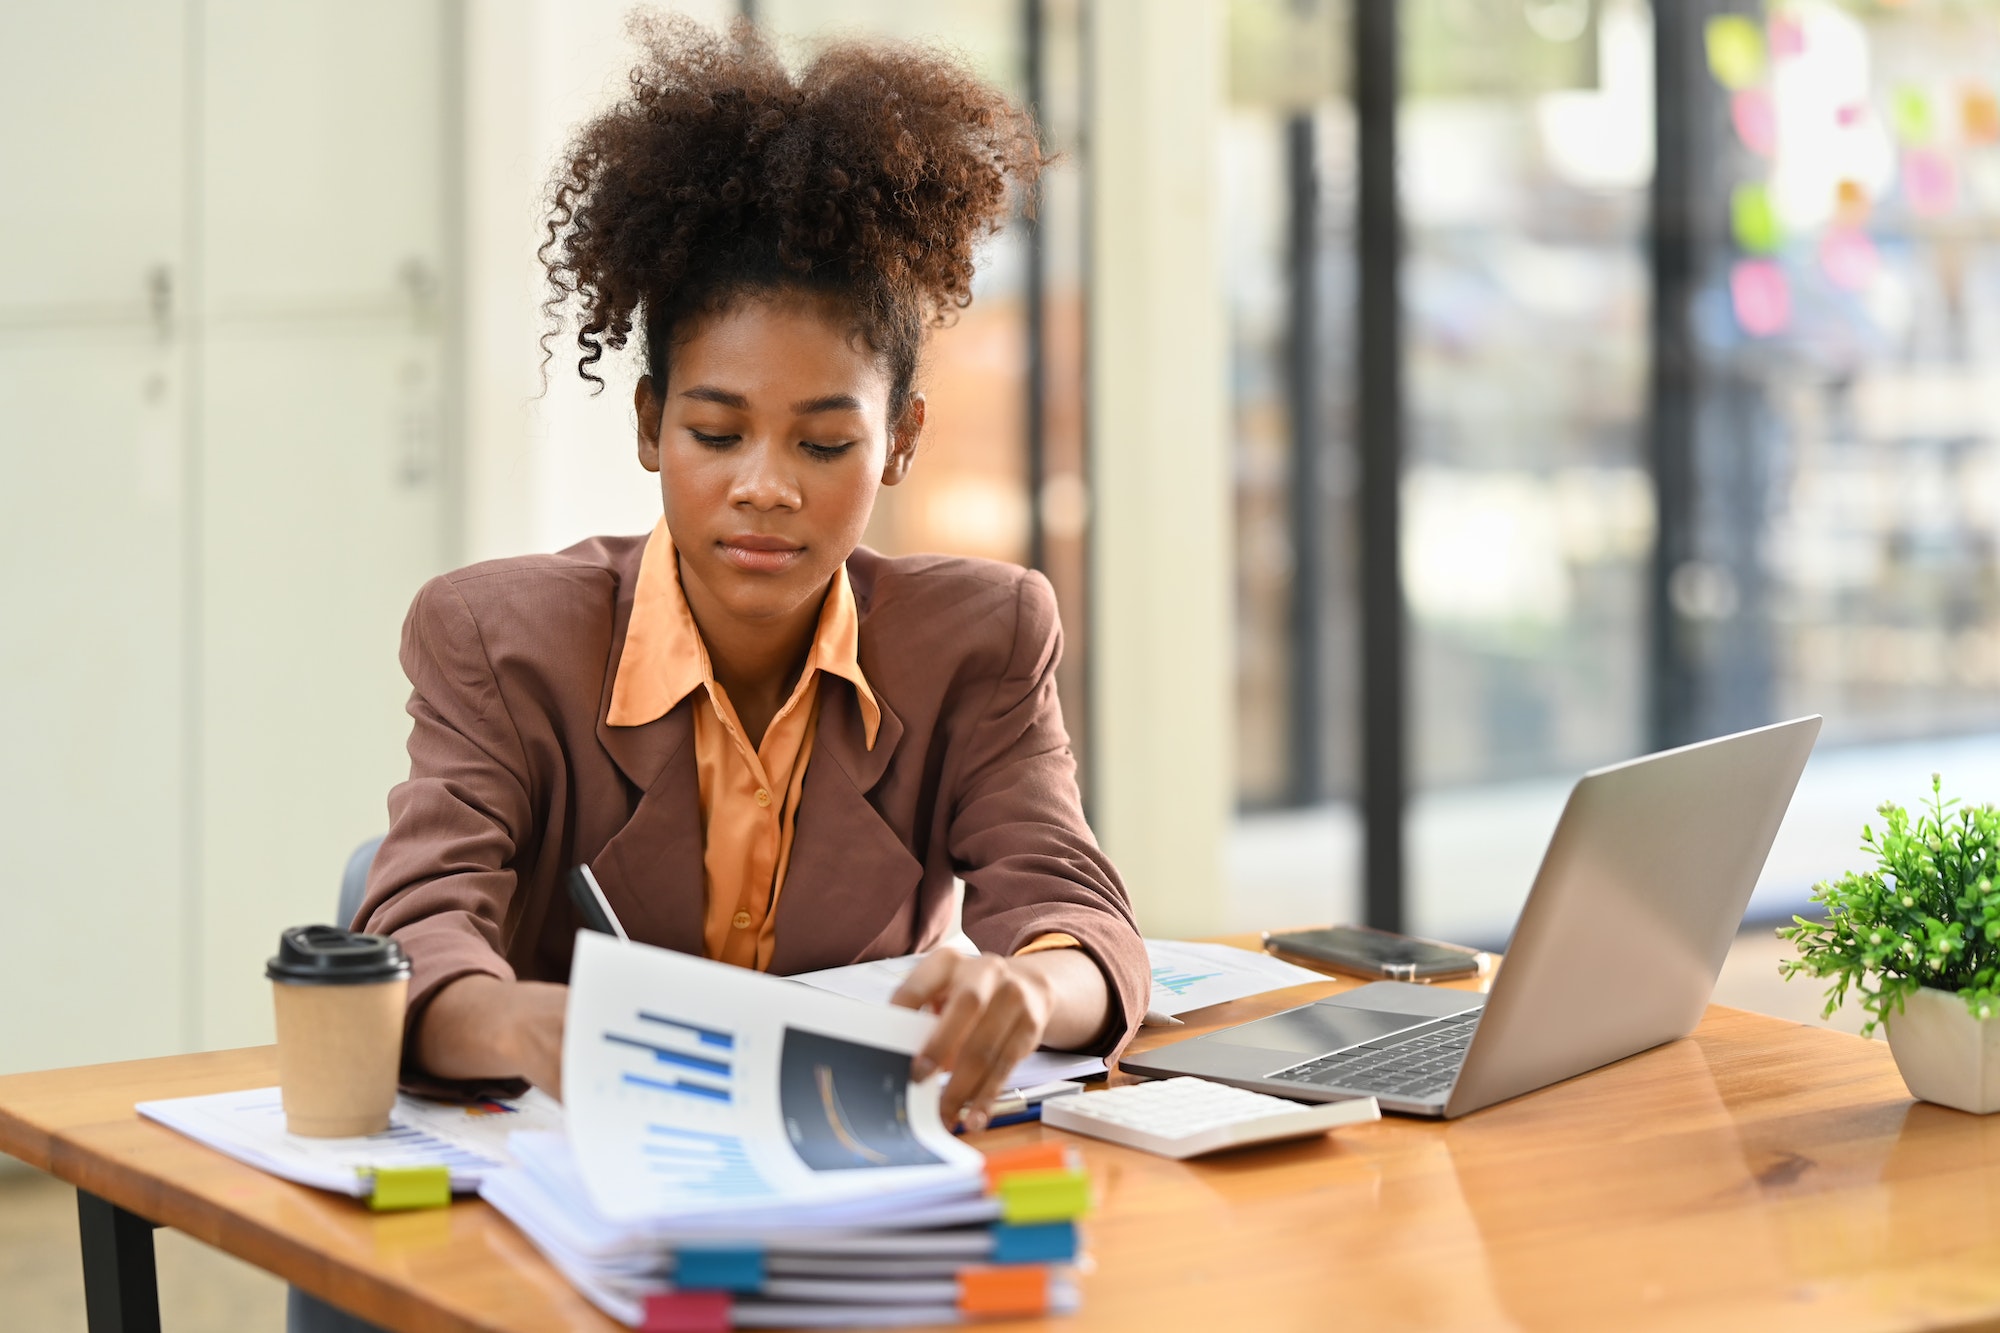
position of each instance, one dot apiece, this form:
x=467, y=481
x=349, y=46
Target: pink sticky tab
x=1760, y=296
x=1849, y=258
x=1929, y=183
x=686, y=1312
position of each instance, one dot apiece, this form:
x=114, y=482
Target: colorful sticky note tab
x=685, y=1312
x=1003, y=1291
x=736, y=1269
x=1849, y=258
x=1735, y=47
x=1760, y=297
x=1043, y=1196
x=1756, y=121
x=1929, y=184
x=395, y=1188
x=1910, y=114
x=1850, y=202
x=1753, y=219
x=1049, y=1155
x=1979, y=115
x=1044, y=1243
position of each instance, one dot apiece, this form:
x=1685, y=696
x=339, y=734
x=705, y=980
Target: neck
x=756, y=661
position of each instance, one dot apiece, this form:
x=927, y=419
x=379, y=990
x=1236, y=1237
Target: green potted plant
x=1917, y=941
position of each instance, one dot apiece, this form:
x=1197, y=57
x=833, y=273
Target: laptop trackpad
x=1318, y=1029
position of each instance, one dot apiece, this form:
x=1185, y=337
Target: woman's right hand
x=482, y=1027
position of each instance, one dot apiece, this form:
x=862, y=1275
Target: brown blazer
x=515, y=778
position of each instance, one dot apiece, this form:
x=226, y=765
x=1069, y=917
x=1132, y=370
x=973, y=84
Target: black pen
x=587, y=897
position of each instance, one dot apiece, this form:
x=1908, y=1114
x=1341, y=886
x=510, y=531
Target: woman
x=772, y=746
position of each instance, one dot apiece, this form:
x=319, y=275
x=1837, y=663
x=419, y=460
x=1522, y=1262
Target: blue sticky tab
x=719, y=1270
x=1043, y=1243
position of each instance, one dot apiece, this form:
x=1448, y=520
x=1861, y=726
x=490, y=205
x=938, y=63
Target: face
x=771, y=438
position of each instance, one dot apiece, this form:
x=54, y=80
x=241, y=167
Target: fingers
x=1006, y=1033
x=927, y=979
x=959, y=1005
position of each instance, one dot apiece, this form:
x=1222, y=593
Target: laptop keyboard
x=1415, y=1064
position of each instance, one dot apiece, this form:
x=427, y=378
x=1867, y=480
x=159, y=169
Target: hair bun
x=872, y=174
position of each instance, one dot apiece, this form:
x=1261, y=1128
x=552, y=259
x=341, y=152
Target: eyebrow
x=832, y=402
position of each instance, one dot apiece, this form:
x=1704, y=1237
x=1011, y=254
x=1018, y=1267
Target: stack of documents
x=743, y=1152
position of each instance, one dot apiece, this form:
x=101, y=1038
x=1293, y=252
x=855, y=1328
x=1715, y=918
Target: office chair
x=304, y=1313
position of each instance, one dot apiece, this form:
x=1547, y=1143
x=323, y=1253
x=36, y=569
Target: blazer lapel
x=850, y=891
x=651, y=869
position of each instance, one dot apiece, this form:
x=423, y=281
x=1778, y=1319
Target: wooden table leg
x=121, y=1291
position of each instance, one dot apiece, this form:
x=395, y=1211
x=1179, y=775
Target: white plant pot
x=1945, y=1054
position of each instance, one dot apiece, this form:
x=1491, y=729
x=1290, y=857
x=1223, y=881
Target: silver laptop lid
x=1641, y=891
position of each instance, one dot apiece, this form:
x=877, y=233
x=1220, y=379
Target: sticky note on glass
x=1753, y=219
x=1849, y=258
x=398, y=1188
x=1910, y=115
x=1760, y=297
x=1755, y=119
x=1929, y=183
x=1850, y=202
x=1979, y=114
x=1735, y=47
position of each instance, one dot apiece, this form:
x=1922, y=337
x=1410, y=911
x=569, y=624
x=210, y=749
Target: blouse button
x=763, y=796
x=741, y=921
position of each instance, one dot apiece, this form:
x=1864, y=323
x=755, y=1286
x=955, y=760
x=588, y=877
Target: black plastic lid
x=330, y=956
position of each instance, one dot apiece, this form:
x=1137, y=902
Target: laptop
x=1639, y=895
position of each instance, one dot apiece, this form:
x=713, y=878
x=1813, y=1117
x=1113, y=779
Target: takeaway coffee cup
x=339, y=996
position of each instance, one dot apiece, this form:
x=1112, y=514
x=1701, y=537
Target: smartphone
x=1377, y=954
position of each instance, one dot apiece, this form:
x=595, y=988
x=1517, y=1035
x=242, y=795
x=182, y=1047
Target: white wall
x=543, y=469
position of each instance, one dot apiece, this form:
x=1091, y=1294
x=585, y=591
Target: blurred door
x=323, y=503
x=222, y=363
x=91, y=543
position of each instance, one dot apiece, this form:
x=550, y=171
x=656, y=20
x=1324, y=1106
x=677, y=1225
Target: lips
x=759, y=553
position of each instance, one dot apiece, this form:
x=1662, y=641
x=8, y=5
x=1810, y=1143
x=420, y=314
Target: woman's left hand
x=992, y=1012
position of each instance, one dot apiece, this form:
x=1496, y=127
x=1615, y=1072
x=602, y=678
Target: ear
x=903, y=442
x=646, y=405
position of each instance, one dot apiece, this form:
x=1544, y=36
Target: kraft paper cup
x=339, y=997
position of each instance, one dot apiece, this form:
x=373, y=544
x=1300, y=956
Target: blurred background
x=1414, y=405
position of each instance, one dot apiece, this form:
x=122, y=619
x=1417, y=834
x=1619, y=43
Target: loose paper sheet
x=1188, y=976
x=250, y=1126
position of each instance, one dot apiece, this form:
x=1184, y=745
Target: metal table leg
x=121, y=1291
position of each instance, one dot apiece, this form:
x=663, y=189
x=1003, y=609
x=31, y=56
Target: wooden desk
x=1758, y=1175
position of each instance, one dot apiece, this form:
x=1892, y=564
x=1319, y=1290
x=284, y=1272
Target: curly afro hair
x=866, y=179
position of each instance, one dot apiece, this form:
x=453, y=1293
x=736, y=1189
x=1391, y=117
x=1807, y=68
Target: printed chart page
x=1188, y=975
x=696, y=1089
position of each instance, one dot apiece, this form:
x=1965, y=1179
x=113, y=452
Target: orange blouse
x=749, y=794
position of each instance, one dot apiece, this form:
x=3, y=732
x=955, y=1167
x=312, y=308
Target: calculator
x=1187, y=1117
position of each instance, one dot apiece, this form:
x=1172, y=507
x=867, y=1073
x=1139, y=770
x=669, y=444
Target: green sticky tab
x=1028, y=1197
x=397, y=1188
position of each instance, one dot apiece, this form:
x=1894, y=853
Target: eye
x=713, y=441
x=826, y=451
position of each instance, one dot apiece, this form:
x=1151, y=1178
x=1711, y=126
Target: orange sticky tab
x=1050, y=1155
x=1019, y=1290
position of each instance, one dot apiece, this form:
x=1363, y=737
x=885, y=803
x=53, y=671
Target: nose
x=768, y=478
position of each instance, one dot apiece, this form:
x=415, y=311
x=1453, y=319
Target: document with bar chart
x=696, y=1089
